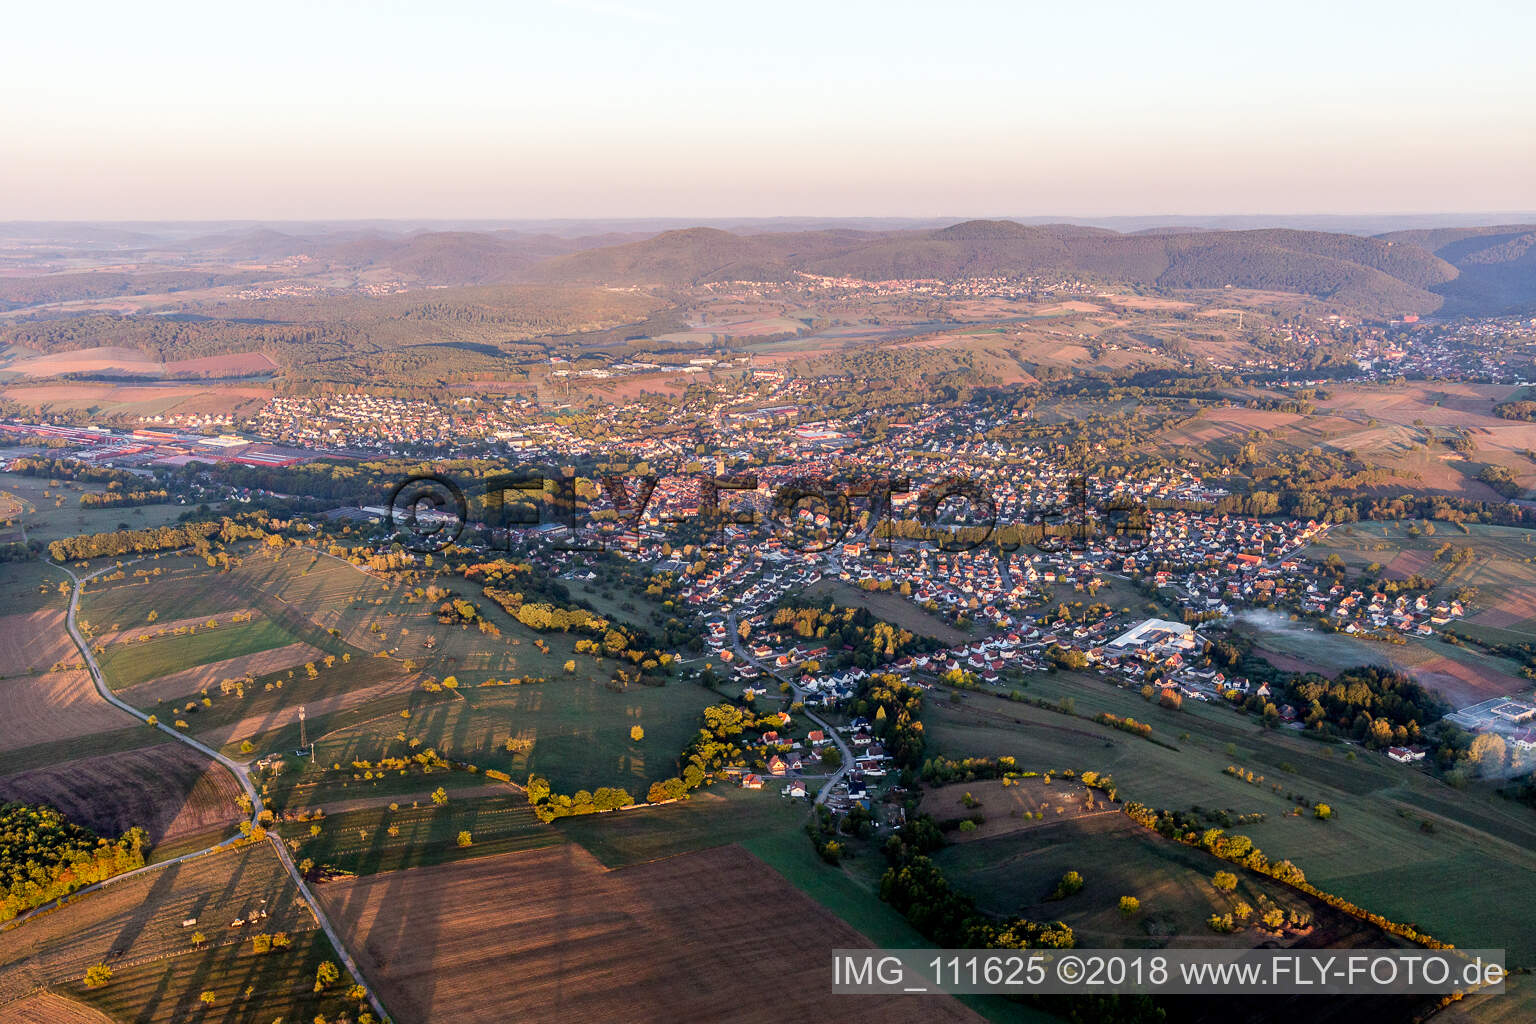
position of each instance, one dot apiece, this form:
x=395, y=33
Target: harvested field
x=1463, y=684
x=170, y=790
x=636, y=944
x=47, y=1008
x=53, y=706
x=34, y=642
x=200, y=677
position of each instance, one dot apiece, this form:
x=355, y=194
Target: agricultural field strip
x=65, y=945
x=240, y=773
x=123, y=963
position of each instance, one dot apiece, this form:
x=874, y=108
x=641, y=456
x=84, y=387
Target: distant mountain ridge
x=1376, y=276
x=1430, y=269
x=1496, y=266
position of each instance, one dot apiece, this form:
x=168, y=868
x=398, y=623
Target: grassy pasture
x=128, y=663
x=578, y=726
x=267, y=715
x=185, y=588
x=31, y=586
x=890, y=607
x=710, y=817
x=48, y=513
x=359, y=840
x=579, y=729
x=1015, y=874
x=1376, y=850
x=1461, y=674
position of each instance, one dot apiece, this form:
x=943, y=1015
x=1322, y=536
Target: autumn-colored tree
x=1488, y=752
x=325, y=975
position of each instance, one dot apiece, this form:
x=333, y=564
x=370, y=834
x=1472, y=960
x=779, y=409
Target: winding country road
x=242, y=775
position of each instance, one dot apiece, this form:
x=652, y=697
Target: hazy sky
x=724, y=108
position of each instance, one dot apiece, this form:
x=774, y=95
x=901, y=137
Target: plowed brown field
x=715, y=935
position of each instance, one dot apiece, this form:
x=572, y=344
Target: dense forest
x=44, y=856
x=1375, y=705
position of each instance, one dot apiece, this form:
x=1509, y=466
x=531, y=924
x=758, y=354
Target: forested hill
x=1496, y=265
x=1376, y=276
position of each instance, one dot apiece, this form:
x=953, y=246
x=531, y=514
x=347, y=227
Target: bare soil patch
x=702, y=936
x=53, y=706
x=36, y=641
x=47, y=1008
x=170, y=790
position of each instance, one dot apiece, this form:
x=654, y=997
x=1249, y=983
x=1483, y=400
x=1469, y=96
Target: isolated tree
x=1488, y=752
x=466, y=840
x=636, y=733
x=1226, y=881
x=97, y=975
x=440, y=796
x=1070, y=883
x=209, y=997
x=326, y=974
x=1130, y=906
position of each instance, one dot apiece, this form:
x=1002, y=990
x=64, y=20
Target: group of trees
x=549, y=805
x=44, y=856
x=852, y=635
x=894, y=706
x=1379, y=706
x=200, y=537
